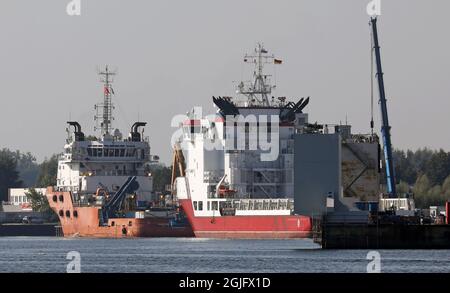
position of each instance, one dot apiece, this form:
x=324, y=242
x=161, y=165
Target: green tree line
x=19, y=169
x=425, y=173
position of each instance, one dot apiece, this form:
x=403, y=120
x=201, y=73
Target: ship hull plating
x=248, y=227
x=85, y=222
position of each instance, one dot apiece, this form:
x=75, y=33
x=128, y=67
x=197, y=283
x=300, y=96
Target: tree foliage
x=39, y=203
x=161, y=177
x=438, y=167
x=9, y=176
x=48, y=171
x=427, y=171
x=403, y=187
x=27, y=167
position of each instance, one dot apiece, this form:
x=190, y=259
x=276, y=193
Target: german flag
x=277, y=61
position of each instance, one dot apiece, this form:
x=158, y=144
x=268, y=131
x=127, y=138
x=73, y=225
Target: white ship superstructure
x=90, y=164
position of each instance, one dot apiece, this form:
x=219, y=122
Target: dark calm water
x=41, y=254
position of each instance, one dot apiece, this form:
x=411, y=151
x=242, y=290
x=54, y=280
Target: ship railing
x=263, y=204
x=114, y=173
x=65, y=189
x=86, y=203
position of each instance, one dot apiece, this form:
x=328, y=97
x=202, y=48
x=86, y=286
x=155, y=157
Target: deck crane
x=385, y=127
x=115, y=203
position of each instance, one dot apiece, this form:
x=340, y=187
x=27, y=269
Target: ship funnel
x=79, y=136
x=134, y=134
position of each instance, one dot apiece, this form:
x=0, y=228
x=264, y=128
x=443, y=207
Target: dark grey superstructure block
x=317, y=172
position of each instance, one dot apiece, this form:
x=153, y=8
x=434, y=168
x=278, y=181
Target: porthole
x=61, y=213
x=61, y=198
x=68, y=214
x=55, y=198
x=75, y=214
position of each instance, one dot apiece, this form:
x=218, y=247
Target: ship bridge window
x=214, y=206
x=195, y=205
x=200, y=205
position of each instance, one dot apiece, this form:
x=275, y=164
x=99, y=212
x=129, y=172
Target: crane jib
x=385, y=128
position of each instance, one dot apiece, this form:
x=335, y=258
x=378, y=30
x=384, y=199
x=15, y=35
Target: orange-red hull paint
x=267, y=227
x=86, y=223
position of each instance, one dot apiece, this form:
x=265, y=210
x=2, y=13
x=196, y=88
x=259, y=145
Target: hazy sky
x=173, y=55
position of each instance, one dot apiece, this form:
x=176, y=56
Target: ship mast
x=104, y=109
x=258, y=91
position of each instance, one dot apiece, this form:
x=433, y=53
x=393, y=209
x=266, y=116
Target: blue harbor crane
x=385, y=127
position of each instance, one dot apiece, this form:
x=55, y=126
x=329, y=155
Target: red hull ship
x=248, y=227
x=233, y=182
